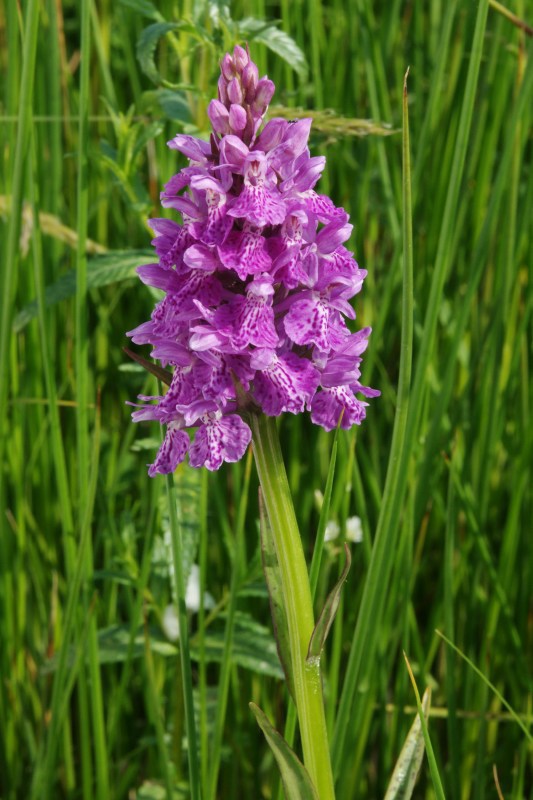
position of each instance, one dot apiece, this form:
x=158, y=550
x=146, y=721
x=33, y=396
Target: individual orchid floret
x=257, y=284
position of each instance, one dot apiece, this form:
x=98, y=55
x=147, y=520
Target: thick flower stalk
x=257, y=283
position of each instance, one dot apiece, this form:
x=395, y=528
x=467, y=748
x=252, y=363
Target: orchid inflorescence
x=257, y=283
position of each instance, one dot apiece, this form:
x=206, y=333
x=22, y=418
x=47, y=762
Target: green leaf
x=277, y=41
x=187, y=489
x=143, y=7
x=433, y=768
x=102, y=270
x=147, y=44
x=275, y=593
x=296, y=781
x=173, y=104
x=113, y=646
x=407, y=767
x=327, y=616
x=253, y=647
x=151, y=790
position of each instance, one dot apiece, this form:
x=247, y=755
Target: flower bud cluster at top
x=257, y=283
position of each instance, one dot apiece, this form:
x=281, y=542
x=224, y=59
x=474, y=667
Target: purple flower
x=257, y=282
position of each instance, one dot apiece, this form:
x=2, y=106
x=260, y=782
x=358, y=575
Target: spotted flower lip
x=257, y=281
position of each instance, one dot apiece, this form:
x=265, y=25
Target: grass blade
x=296, y=780
x=402, y=782
x=364, y=642
x=437, y=785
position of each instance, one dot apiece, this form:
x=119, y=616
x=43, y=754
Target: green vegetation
x=91, y=699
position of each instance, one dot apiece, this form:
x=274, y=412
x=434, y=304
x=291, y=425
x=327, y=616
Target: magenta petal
x=287, y=384
x=169, y=352
x=272, y=134
x=199, y=256
x=255, y=324
x=219, y=440
x=195, y=149
x=328, y=405
x=171, y=453
x=333, y=235
x=233, y=152
x=260, y=206
x=307, y=322
x=158, y=277
x=244, y=251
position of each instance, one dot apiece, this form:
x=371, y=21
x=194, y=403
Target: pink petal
x=171, y=453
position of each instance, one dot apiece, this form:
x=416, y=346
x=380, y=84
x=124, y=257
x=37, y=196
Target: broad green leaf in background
x=253, y=646
x=148, y=40
x=115, y=266
x=275, y=592
x=276, y=40
x=296, y=780
x=147, y=44
x=187, y=500
x=407, y=767
x=144, y=7
x=173, y=103
x=325, y=620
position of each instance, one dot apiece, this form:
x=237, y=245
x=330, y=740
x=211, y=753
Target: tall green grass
x=91, y=698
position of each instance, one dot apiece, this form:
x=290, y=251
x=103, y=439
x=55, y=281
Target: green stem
x=298, y=604
x=186, y=671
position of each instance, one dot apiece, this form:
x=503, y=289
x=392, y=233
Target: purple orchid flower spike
x=257, y=283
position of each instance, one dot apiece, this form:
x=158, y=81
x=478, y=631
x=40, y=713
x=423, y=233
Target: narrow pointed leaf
x=296, y=781
x=325, y=620
x=275, y=594
x=433, y=768
x=163, y=374
x=407, y=767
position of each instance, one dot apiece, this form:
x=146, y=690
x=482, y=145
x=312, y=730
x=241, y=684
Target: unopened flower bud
x=237, y=118
x=227, y=68
x=234, y=91
x=240, y=58
x=250, y=78
x=219, y=116
x=223, y=90
x=263, y=96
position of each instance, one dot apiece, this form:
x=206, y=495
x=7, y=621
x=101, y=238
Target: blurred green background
x=90, y=93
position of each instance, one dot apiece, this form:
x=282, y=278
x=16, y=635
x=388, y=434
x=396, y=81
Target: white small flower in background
x=170, y=621
x=332, y=531
x=192, y=595
x=354, y=530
